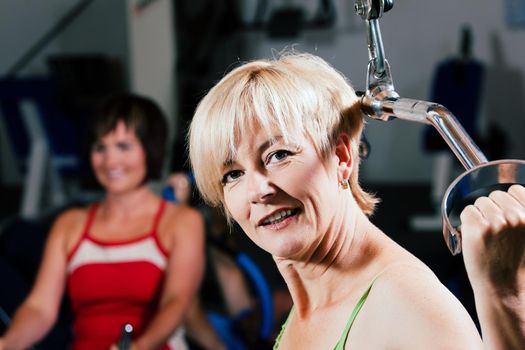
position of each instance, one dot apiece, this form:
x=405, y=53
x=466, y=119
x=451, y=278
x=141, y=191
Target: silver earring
x=344, y=184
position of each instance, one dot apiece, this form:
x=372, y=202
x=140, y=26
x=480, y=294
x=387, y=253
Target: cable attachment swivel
x=380, y=86
x=371, y=11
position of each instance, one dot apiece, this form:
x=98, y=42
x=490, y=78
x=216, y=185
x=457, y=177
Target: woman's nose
x=110, y=157
x=260, y=188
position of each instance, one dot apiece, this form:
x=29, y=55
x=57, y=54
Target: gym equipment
x=125, y=337
x=457, y=83
x=44, y=139
x=381, y=101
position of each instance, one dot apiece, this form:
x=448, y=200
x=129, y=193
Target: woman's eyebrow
x=228, y=163
x=269, y=142
x=265, y=145
x=262, y=147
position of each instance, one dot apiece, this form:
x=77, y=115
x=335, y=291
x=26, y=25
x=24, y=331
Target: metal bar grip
x=125, y=337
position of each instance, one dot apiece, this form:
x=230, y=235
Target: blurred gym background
x=59, y=57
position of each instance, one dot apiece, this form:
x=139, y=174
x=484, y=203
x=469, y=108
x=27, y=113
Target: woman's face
x=118, y=160
x=284, y=196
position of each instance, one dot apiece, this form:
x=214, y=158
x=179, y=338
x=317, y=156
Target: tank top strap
x=283, y=327
x=158, y=216
x=342, y=341
x=90, y=218
x=92, y=210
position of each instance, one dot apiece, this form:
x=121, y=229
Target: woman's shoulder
x=399, y=271
x=414, y=287
x=178, y=220
x=408, y=298
x=406, y=273
x=71, y=217
x=68, y=226
x=180, y=226
x=74, y=213
x=180, y=214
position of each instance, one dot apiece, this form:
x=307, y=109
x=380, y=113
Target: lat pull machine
x=381, y=101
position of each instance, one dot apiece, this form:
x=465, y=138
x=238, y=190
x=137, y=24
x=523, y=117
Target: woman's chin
x=286, y=249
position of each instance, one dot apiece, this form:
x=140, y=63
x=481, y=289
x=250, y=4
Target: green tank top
x=342, y=340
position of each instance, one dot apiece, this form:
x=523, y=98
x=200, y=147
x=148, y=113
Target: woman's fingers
x=518, y=192
x=511, y=207
x=493, y=233
x=495, y=213
x=482, y=218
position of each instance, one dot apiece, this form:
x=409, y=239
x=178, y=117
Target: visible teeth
x=276, y=217
x=114, y=173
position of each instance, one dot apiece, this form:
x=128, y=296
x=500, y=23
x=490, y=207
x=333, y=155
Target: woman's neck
x=128, y=203
x=323, y=279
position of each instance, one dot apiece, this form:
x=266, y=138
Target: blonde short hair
x=294, y=95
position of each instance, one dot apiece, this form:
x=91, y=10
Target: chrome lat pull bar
x=381, y=101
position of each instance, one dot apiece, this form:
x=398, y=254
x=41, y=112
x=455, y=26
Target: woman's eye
x=231, y=176
x=98, y=148
x=277, y=156
x=123, y=146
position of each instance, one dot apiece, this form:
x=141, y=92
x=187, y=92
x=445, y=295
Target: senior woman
x=276, y=144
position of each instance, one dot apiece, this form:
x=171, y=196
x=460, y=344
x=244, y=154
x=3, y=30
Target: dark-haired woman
x=131, y=258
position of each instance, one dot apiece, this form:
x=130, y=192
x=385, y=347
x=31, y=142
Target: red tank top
x=114, y=283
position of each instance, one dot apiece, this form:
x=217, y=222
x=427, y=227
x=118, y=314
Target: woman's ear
x=343, y=152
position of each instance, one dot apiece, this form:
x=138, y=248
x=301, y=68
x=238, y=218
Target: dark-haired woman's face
x=118, y=160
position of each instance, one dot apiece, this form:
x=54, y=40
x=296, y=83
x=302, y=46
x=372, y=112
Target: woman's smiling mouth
x=278, y=217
